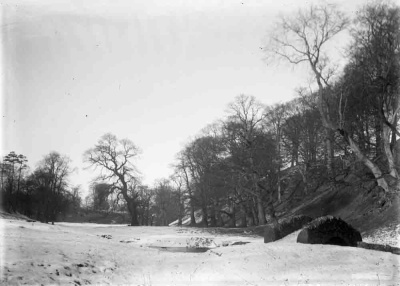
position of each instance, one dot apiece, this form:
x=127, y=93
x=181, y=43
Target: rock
x=285, y=227
x=329, y=230
x=271, y=234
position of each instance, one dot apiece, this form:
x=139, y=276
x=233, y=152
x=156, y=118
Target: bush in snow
x=329, y=230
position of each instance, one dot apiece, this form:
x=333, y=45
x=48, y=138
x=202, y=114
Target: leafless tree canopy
x=114, y=158
x=303, y=37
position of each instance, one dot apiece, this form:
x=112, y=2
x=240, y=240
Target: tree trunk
x=295, y=155
x=192, y=217
x=261, y=213
x=388, y=152
x=220, y=221
x=244, y=215
x=279, y=185
x=329, y=152
x=303, y=173
x=147, y=214
x=213, y=222
x=133, y=212
x=327, y=123
x=205, y=215
x=378, y=137
x=254, y=213
x=374, y=168
x=278, y=149
x=181, y=212
x=250, y=213
x=367, y=137
x=233, y=217
x=271, y=213
x=394, y=136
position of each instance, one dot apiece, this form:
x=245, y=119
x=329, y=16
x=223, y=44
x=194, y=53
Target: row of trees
x=240, y=168
x=239, y=165
x=362, y=105
x=236, y=166
x=43, y=194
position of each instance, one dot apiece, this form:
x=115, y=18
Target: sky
x=155, y=72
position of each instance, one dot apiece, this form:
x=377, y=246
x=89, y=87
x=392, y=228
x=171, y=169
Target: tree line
x=239, y=165
x=237, y=170
x=44, y=194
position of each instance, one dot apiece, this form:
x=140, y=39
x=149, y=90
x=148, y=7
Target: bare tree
x=248, y=116
x=182, y=169
x=114, y=158
x=303, y=38
x=54, y=170
x=375, y=56
x=11, y=170
x=179, y=180
x=276, y=116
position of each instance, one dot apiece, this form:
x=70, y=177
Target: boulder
x=271, y=234
x=285, y=227
x=329, y=230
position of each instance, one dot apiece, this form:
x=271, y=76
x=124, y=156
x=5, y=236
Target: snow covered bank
x=65, y=253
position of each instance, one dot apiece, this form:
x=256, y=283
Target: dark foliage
x=329, y=230
x=43, y=194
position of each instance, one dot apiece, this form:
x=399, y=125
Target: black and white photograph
x=200, y=142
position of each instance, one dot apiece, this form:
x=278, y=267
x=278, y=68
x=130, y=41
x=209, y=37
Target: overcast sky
x=155, y=72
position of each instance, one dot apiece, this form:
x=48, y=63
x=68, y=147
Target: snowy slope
x=36, y=253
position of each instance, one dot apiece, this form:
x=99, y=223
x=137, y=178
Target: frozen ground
x=68, y=254
x=389, y=235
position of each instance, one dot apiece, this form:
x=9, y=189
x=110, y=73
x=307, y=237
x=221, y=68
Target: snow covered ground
x=389, y=235
x=66, y=253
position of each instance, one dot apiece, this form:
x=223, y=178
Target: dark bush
x=329, y=230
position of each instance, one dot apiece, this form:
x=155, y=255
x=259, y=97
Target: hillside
x=353, y=197
x=359, y=203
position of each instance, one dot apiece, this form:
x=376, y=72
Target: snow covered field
x=68, y=254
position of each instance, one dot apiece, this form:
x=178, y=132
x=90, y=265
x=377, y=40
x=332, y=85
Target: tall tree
x=52, y=179
x=146, y=196
x=275, y=119
x=180, y=195
x=12, y=169
x=114, y=158
x=374, y=69
x=202, y=154
x=247, y=137
x=303, y=38
x=182, y=170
